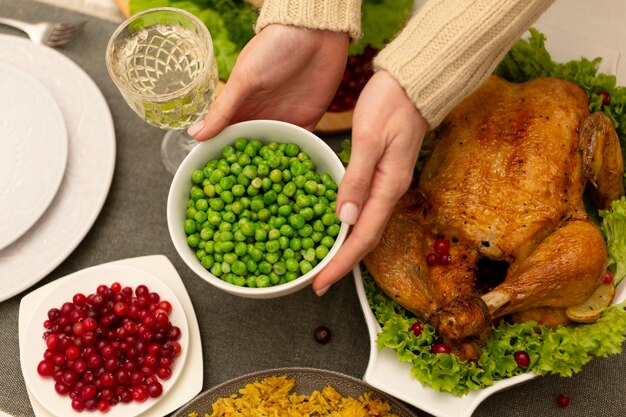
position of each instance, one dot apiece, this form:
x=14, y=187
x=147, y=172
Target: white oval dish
x=267, y=130
x=86, y=281
x=33, y=152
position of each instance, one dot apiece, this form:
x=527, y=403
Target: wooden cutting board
x=330, y=123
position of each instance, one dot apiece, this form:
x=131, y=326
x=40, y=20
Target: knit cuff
x=450, y=47
x=332, y=15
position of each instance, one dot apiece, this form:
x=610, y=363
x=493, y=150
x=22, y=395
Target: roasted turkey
x=504, y=184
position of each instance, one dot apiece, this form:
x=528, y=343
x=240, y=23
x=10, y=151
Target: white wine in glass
x=163, y=63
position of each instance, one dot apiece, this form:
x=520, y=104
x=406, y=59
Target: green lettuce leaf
x=613, y=227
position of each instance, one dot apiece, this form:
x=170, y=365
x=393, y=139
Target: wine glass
x=163, y=64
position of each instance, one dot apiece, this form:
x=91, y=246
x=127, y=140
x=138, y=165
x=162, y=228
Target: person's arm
x=451, y=46
x=443, y=54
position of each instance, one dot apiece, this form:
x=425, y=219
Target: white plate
x=33, y=152
x=88, y=174
x=32, y=346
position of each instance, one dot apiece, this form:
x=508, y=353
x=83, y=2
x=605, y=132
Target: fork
x=46, y=33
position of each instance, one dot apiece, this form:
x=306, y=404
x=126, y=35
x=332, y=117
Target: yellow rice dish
x=273, y=396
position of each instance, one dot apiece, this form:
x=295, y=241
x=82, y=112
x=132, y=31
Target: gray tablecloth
x=240, y=336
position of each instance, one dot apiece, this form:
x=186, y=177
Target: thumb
x=221, y=111
x=355, y=185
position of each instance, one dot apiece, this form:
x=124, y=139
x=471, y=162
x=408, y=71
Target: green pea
x=246, y=227
x=196, y=194
x=333, y=230
x=206, y=233
x=239, y=268
x=229, y=258
x=241, y=143
x=270, y=197
x=307, y=213
x=295, y=244
x=260, y=235
x=284, y=242
x=226, y=268
x=305, y=266
x=256, y=160
x=262, y=281
x=307, y=243
x=317, y=236
x=216, y=269
x=229, y=217
x=207, y=261
x=243, y=180
x=321, y=190
x=216, y=204
x=284, y=210
x=228, y=246
x=190, y=226
x=202, y=204
x=291, y=264
x=227, y=182
x=276, y=175
x=216, y=176
x=279, y=268
x=320, y=252
x=251, y=265
x=250, y=150
x=264, y=267
x=292, y=149
x=228, y=150
x=289, y=189
x=191, y=212
x=209, y=247
x=264, y=214
x=272, y=257
x=299, y=181
x=250, y=172
x=309, y=165
x=327, y=241
x=214, y=218
x=197, y=176
x=306, y=230
x=279, y=222
x=296, y=221
x=239, y=280
x=263, y=169
x=285, y=230
x=218, y=257
x=290, y=276
x=241, y=249
x=256, y=205
x=200, y=253
x=329, y=218
x=240, y=237
x=266, y=184
x=255, y=253
x=200, y=216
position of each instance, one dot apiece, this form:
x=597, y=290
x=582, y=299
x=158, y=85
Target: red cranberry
x=173, y=333
x=67, y=308
x=522, y=359
x=606, y=97
x=79, y=366
x=88, y=391
x=78, y=404
x=107, y=379
x=103, y=406
x=441, y=246
x=608, y=277
x=165, y=305
x=417, y=328
x=562, y=400
x=321, y=334
x=116, y=286
x=52, y=340
x=54, y=313
x=91, y=404
x=126, y=397
x=69, y=378
x=164, y=373
x=61, y=388
x=444, y=259
x=120, y=309
x=72, y=353
x=155, y=389
x=45, y=368
x=142, y=291
x=139, y=393
x=441, y=348
x=177, y=348
x=431, y=259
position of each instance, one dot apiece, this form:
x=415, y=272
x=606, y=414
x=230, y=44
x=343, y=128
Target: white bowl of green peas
x=252, y=210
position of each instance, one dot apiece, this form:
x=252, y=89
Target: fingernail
x=322, y=291
x=195, y=128
x=349, y=213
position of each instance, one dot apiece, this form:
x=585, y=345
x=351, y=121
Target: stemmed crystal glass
x=163, y=64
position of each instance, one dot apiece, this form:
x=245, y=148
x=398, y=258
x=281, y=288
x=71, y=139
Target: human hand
x=387, y=133
x=284, y=73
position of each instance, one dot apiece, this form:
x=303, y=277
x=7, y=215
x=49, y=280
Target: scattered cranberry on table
x=322, y=335
x=441, y=253
x=608, y=277
x=562, y=400
x=110, y=347
x=441, y=348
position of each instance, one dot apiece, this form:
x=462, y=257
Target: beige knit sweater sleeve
x=333, y=15
x=451, y=46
